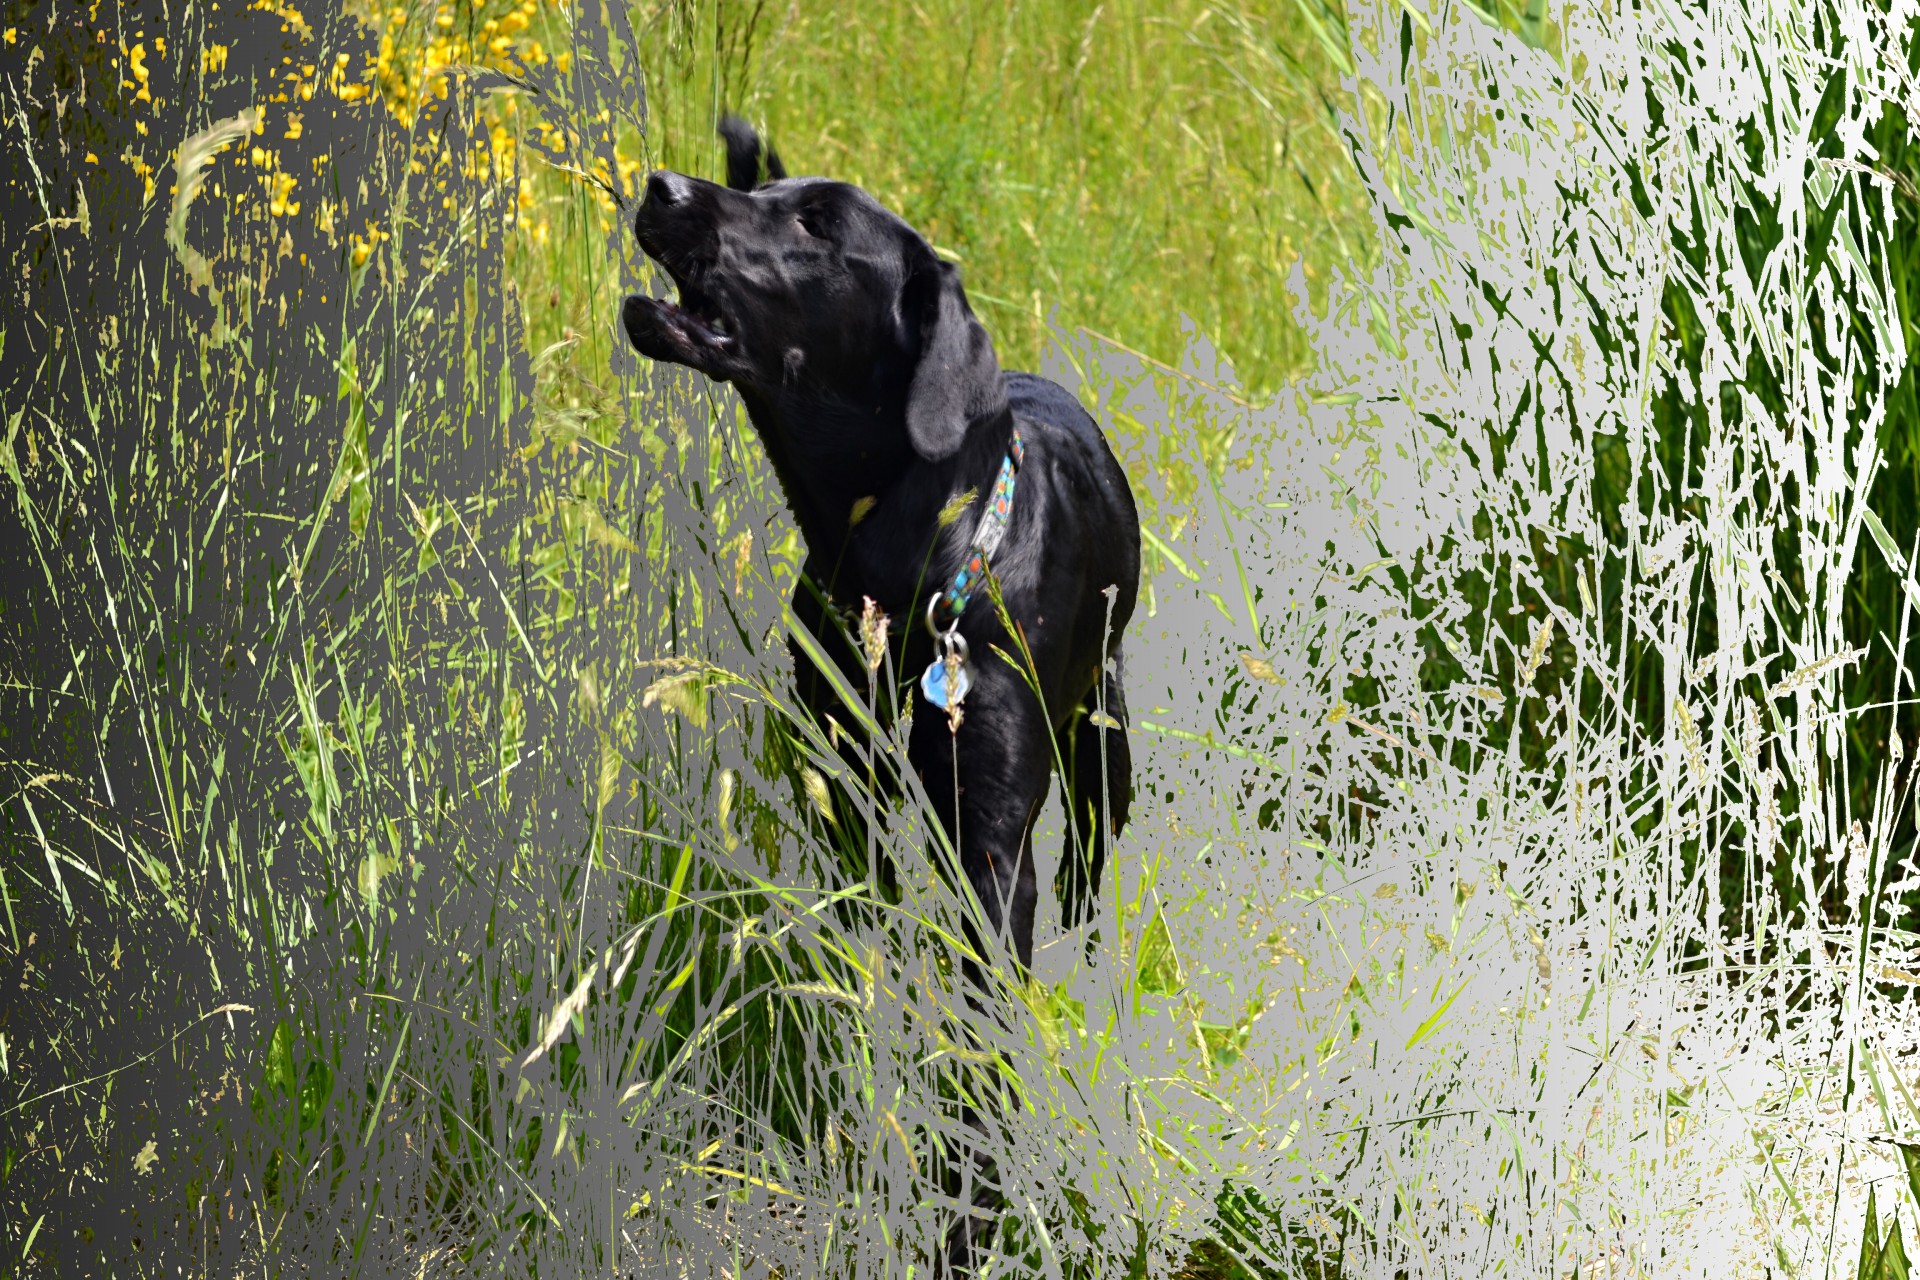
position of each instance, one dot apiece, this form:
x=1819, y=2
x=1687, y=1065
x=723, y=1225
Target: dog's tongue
x=691, y=317
x=691, y=299
x=695, y=310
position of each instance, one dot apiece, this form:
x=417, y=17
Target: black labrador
x=880, y=402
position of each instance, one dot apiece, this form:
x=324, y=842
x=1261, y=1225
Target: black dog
x=879, y=400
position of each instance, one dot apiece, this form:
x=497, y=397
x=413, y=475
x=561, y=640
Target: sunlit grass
x=514, y=844
x=1115, y=167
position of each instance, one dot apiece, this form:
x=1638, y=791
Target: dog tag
x=951, y=659
x=934, y=684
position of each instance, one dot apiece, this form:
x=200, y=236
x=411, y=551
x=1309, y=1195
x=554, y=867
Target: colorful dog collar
x=987, y=536
x=946, y=679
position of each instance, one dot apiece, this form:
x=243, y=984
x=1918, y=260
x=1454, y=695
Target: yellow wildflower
x=280, y=205
x=137, y=62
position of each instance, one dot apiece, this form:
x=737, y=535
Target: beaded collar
x=947, y=677
x=987, y=535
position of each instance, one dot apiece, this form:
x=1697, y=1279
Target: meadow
x=417, y=863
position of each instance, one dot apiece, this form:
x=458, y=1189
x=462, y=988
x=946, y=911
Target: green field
x=401, y=785
x=1113, y=166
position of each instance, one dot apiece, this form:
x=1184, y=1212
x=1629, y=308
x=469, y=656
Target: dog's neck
x=867, y=504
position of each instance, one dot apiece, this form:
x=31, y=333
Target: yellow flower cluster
x=276, y=182
x=417, y=54
x=144, y=170
x=363, y=245
x=414, y=56
x=345, y=85
x=136, y=57
x=136, y=82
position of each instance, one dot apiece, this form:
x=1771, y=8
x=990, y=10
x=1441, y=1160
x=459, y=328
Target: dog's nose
x=668, y=188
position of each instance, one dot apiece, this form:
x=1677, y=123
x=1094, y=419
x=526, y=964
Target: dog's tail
x=744, y=153
x=1099, y=791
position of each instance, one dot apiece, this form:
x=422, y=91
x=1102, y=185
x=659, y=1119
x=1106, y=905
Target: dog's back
x=1031, y=396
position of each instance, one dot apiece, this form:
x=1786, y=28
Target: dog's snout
x=663, y=219
x=668, y=188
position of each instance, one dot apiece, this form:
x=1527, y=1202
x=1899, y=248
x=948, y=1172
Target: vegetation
x=400, y=780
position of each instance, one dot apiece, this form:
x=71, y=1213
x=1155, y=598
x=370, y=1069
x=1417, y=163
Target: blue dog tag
x=934, y=684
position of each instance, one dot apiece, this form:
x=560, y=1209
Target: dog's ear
x=958, y=377
x=743, y=155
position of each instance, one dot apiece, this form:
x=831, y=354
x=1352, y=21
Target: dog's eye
x=811, y=223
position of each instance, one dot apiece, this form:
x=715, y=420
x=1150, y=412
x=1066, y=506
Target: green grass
x=385, y=585
x=1110, y=165
x=1114, y=165
x=420, y=641
x=1117, y=167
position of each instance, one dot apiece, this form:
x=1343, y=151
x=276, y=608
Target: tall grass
x=1112, y=165
x=418, y=864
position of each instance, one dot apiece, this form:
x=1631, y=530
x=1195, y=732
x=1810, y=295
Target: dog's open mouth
x=697, y=317
x=692, y=331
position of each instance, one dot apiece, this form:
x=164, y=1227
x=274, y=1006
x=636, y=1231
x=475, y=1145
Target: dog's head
x=803, y=287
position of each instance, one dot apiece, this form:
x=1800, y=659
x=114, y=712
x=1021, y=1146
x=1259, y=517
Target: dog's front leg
x=987, y=782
